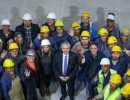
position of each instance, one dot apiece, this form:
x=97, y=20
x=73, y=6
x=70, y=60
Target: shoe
x=48, y=92
x=71, y=98
x=62, y=98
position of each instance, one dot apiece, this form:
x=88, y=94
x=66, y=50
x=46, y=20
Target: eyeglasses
x=31, y=56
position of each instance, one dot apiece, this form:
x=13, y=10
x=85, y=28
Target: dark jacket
x=5, y=39
x=34, y=30
x=72, y=64
x=45, y=61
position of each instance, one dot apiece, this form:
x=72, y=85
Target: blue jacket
x=121, y=65
x=107, y=53
x=115, y=32
x=6, y=83
x=34, y=30
x=64, y=37
x=92, y=30
x=37, y=43
x=101, y=46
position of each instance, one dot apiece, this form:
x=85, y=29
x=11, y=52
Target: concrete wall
x=67, y=10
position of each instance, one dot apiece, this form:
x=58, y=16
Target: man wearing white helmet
x=112, y=29
x=103, y=76
x=6, y=35
x=28, y=29
x=51, y=18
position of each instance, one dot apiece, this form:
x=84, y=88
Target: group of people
x=31, y=57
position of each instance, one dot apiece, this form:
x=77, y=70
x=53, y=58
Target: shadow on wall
x=73, y=16
x=40, y=16
x=15, y=18
x=100, y=18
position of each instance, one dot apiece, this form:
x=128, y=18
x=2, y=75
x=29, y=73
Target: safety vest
x=101, y=79
x=113, y=95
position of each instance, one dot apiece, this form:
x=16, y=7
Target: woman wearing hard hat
x=102, y=40
x=11, y=82
x=126, y=92
x=45, y=54
x=112, y=90
x=103, y=77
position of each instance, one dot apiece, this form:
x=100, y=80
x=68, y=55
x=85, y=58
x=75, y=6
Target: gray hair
x=32, y=51
x=65, y=43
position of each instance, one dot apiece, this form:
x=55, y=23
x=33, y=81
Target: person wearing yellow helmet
x=126, y=77
x=11, y=82
x=51, y=18
x=124, y=41
x=112, y=90
x=44, y=34
x=117, y=61
x=125, y=90
x=111, y=27
x=60, y=35
x=89, y=26
x=102, y=40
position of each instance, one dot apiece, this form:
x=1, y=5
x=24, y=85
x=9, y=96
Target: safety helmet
x=13, y=46
x=128, y=72
x=45, y=42
x=103, y=31
x=111, y=16
x=27, y=16
x=5, y=22
x=116, y=48
x=75, y=25
x=105, y=61
x=112, y=40
x=8, y=63
x=115, y=78
x=85, y=34
x=125, y=31
x=85, y=13
x=59, y=23
x=51, y=15
x=44, y=29
x=126, y=89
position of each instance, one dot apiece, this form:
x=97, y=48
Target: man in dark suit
x=64, y=66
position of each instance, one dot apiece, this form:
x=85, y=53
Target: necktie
x=65, y=66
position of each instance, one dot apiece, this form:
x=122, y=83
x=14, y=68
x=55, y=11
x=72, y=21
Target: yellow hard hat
x=116, y=48
x=13, y=46
x=8, y=63
x=85, y=13
x=75, y=24
x=126, y=89
x=112, y=40
x=85, y=34
x=59, y=23
x=115, y=78
x=103, y=31
x=44, y=29
x=128, y=72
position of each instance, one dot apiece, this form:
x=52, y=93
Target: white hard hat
x=51, y=15
x=5, y=22
x=45, y=42
x=27, y=16
x=111, y=17
x=105, y=61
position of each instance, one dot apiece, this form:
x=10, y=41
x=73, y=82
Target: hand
x=62, y=78
x=27, y=73
x=95, y=78
x=31, y=45
x=39, y=36
x=9, y=41
x=67, y=78
x=127, y=52
x=3, y=54
x=71, y=32
x=83, y=60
